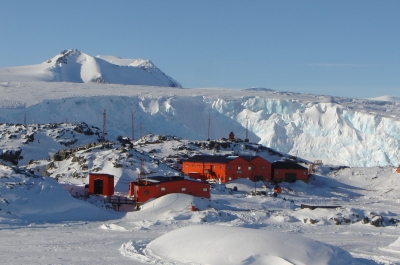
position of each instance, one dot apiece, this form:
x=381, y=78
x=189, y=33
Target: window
x=276, y=172
x=220, y=167
x=228, y=167
x=239, y=167
x=304, y=173
x=183, y=189
x=146, y=192
x=204, y=189
x=263, y=167
x=249, y=168
x=162, y=188
x=230, y=178
x=198, y=166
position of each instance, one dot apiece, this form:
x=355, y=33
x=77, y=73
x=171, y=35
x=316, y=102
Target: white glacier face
x=353, y=132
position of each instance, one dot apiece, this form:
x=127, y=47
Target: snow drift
x=25, y=196
x=234, y=245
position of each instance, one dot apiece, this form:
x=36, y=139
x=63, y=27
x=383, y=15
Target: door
x=290, y=177
x=98, y=186
x=258, y=178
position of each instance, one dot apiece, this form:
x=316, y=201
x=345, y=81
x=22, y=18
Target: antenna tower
x=247, y=131
x=133, y=128
x=208, y=139
x=103, y=137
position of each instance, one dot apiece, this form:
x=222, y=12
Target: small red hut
x=101, y=183
x=154, y=187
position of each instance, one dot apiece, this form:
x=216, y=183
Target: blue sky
x=339, y=47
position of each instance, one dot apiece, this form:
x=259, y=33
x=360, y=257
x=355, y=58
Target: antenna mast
x=247, y=131
x=208, y=139
x=133, y=129
x=103, y=137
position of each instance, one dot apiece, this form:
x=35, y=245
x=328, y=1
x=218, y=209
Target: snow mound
x=395, y=246
x=169, y=209
x=174, y=202
x=114, y=227
x=219, y=245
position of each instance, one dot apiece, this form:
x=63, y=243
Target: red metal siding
x=144, y=192
x=235, y=169
x=261, y=167
x=238, y=168
x=279, y=174
x=108, y=183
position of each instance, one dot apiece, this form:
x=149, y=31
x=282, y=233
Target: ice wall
x=346, y=131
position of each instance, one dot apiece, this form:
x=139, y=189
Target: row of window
x=146, y=192
x=229, y=167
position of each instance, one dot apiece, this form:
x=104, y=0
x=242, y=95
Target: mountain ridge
x=78, y=67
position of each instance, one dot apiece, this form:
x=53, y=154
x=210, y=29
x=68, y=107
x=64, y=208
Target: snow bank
x=219, y=245
x=37, y=199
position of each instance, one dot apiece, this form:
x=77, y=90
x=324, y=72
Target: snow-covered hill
x=78, y=67
x=353, y=132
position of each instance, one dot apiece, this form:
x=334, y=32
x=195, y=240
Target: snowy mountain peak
x=62, y=57
x=78, y=67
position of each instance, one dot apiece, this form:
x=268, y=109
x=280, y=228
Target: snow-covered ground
x=49, y=222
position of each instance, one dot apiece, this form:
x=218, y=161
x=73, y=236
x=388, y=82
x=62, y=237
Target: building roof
x=219, y=159
x=97, y=173
x=250, y=158
x=287, y=165
x=161, y=179
x=214, y=159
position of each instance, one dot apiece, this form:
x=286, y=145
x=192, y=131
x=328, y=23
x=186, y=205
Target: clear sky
x=338, y=47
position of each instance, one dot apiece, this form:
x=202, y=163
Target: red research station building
x=154, y=187
x=101, y=183
x=288, y=171
x=227, y=168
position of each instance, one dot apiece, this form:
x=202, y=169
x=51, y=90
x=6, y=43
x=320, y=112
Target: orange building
x=288, y=171
x=101, y=183
x=398, y=170
x=154, y=187
x=227, y=168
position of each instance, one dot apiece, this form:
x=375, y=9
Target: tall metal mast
x=247, y=131
x=103, y=137
x=133, y=129
x=208, y=139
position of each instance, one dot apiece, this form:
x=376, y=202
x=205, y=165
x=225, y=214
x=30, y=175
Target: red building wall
x=108, y=183
x=261, y=167
x=143, y=192
x=238, y=168
x=280, y=174
x=234, y=169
